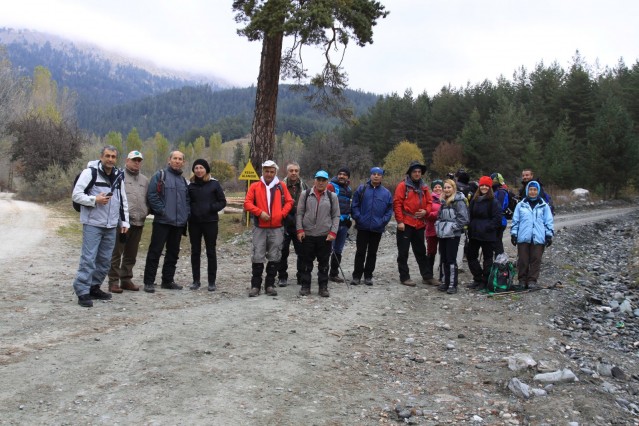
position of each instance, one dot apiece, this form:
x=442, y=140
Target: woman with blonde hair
x=449, y=226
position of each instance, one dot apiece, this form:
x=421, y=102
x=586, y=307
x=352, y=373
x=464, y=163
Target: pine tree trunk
x=263, y=130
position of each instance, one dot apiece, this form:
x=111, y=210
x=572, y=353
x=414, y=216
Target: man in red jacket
x=268, y=201
x=411, y=204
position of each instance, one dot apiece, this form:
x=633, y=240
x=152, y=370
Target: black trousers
x=367, y=243
x=499, y=243
x=411, y=237
x=208, y=231
x=315, y=248
x=289, y=237
x=480, y=274
x=162, y=235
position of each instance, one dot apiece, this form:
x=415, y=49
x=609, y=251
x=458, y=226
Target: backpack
x=512, y=204
x=94, y=175
x=501, y=277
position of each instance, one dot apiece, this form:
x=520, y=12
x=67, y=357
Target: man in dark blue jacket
x=168, y=197
x=372, y=208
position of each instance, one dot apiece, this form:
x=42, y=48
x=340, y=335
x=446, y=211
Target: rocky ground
x=385, y=354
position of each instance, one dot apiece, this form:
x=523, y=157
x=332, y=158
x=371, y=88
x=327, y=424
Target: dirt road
x=182, y=357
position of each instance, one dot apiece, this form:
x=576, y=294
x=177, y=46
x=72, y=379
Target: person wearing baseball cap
x=269, y=202
x=317, y=222
x=125, y=251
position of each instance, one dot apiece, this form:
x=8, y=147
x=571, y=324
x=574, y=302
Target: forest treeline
x=575, y=127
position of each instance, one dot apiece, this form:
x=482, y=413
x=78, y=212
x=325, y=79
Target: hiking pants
x=312, y=248
x=208, y=231
x=367, y=243
x=480, y=274
x=411, y=237
x=170, y=236
x=289, y=237
x=499, y=243
x=448, y=248
x=529, y=262
x=125, y=255
x=95, y=259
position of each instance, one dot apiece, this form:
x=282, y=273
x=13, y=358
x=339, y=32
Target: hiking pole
x=339, y=266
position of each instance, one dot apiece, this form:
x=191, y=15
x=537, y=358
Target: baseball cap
x=135, y=154
x=321, y=174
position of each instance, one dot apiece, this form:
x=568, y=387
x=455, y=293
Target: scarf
x=270, y=186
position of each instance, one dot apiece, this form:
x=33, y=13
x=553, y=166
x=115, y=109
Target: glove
x=548, y=241
x=513, y=240
x=348, y=223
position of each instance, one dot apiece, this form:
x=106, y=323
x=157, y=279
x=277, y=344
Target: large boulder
x=580, y=194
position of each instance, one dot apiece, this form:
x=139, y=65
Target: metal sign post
x=248, y=174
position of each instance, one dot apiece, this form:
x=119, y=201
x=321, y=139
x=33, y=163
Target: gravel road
x=366, y=355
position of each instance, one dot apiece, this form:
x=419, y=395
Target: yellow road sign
x=249, y=173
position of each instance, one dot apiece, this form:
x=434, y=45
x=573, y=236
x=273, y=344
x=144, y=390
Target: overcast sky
x=422, y=45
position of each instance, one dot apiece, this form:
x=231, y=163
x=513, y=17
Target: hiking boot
x=171, y=286
x=474, y=285
x=85, y=301
x=443, y=287
x=409, y=283
x=212, y=287
x=430, y=281
x=129, y=286
x=149, y=288
x=270, y=291
x=282, y=282
x=368, y=281
x=97, y=294
x=452, y=289
x=305, y=291
x=336, y=278
x=356, y=281
x=255, y=291
x=323, y=292
x=195, y=286
x=114, y=287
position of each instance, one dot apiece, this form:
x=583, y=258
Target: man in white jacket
x=100, y=192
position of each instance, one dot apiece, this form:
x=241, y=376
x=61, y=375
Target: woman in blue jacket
x=372, y=208
x=531, y=231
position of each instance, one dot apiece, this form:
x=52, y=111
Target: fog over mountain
x=100, y=78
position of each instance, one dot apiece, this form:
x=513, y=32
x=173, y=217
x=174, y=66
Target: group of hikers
x=316, y=219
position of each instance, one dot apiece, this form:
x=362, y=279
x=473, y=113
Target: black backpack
x=512, y=204
x=94, y=175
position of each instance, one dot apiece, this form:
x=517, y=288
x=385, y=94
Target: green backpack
x=501, y=277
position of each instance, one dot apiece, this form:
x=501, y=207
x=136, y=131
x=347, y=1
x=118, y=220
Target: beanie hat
x=201, y=162
x=485, y=180
x=497, y=178
x=536, y=185
x=462, y=176
x=437, y=182
x=377, y=170
x=344, y=170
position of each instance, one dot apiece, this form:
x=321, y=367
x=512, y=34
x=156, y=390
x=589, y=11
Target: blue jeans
x=338, y=247
x=95, y=259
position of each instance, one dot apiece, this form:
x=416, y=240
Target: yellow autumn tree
x=397, y=160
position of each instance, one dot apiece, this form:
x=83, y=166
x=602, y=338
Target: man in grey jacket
x=104, y=209
x=317, y=222
x=168, y=198
x=125, y=251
